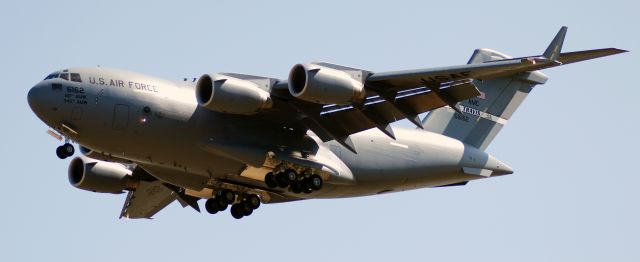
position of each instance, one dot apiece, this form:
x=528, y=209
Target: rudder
x=484, y=116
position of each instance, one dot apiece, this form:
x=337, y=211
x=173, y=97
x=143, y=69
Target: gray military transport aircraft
x=325, y=132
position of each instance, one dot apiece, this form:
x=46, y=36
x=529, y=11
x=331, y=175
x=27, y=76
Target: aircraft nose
x=36, y=99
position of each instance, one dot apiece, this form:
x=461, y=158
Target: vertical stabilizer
x=481, y=118
x=553, y=51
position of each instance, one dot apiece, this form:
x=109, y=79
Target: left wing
x=380, y=99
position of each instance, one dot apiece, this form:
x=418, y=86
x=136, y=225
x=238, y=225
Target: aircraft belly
x=415, y=159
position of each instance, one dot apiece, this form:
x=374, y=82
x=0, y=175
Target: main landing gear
x=241, y=205
x=65, y=151
x=297, y=183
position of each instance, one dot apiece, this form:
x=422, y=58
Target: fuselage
x=158, y=125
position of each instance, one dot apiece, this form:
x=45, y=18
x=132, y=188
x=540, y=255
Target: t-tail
x=478, y=120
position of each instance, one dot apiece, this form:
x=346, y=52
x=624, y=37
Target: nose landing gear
x=65, y=151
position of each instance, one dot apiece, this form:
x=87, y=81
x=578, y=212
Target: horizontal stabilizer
x=572, y=57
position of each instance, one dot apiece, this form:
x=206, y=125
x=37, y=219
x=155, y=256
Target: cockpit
x=66, y=75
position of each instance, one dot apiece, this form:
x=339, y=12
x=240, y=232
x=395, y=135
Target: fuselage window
x=75, y=77
x=64, y=76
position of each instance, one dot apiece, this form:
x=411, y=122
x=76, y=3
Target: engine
x=323, y=85
x=99, y=176
x=231, y=95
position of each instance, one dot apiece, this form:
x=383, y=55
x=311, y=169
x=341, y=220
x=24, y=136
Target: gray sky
x=574, y=196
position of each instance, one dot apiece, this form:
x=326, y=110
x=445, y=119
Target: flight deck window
x=51, y=76
x=75, y=77
x=64, y=76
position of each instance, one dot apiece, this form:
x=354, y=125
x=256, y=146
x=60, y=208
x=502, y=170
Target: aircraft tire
x=315, y=182
x=246, y=209
x=212, y=206
x=296, y=187
x=282, y=180
x=60, y=152
x=68, y=149
x=306, y=188
x=222, y=203
x=228, y=196
x=270, y=180
x=291, y=175
x=236, y=212
x=253, y=201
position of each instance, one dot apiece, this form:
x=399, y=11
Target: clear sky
x=573, y=143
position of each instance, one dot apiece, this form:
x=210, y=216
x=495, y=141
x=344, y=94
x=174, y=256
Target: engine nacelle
x=99, y=176
x=225, y=94
x=324, y=85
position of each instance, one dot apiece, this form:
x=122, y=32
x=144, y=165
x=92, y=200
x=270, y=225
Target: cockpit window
x=75, y=77
x=51, y=76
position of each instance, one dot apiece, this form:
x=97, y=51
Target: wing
x=380, y=110
x=396, y=95
x=147, y=200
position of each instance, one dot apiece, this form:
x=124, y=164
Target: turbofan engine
x=324, y=85
x=225, y=94
x=99, y=176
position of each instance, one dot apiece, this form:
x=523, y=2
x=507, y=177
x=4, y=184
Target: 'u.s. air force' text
x=121, y=83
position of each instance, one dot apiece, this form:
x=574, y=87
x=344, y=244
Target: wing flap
x=341, y=121
x=147, y=200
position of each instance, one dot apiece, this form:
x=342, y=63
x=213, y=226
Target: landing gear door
x=120, y=117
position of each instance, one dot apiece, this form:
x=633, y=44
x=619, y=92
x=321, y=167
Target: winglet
x=553, y=51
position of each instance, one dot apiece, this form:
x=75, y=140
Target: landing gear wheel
x=315, y=182
x=305, y=184
x=228, y=196
x=291, y=175
x=282, y=180
x=60, y=153
x=65, y=151
x=68, y=149
x=253, y=201
x=212, y=206
x=246, y=209
x=221, y=203
x=270, y=180
x=296, y=188
x=236, y=211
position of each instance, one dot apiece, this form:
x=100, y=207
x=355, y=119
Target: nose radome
x=35, y=98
